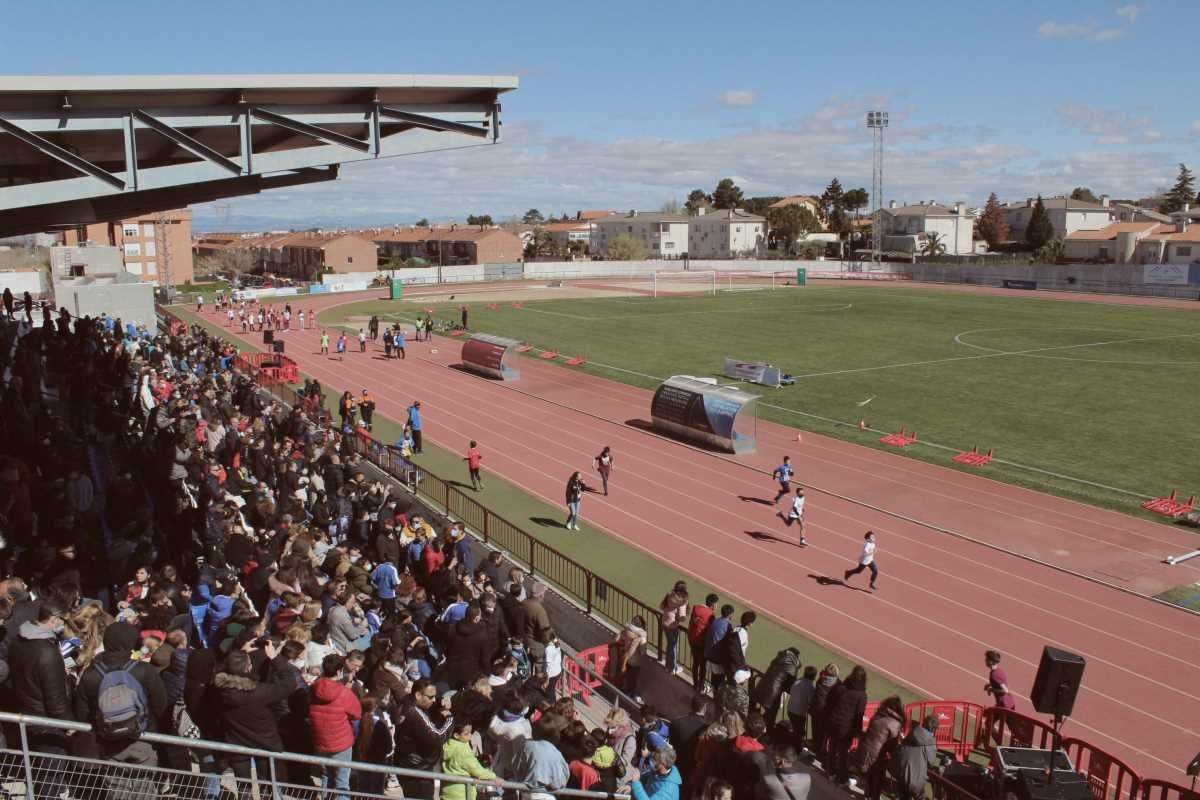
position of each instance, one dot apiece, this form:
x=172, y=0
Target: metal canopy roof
x=93, y=148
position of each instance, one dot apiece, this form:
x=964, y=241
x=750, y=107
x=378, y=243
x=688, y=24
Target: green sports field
x=1090, y=401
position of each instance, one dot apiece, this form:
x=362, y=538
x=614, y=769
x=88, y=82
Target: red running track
x=943, y=600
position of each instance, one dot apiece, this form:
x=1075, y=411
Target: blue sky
x=628, y=105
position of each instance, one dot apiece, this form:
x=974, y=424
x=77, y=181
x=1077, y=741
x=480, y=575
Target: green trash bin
x=397, y=289
x=801, y=276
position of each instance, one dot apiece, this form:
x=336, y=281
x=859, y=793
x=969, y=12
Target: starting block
x=974, y=458
x=1170, y=506
x=901, y=439
x=524, y=348
x=576, y=361
x=549, y=355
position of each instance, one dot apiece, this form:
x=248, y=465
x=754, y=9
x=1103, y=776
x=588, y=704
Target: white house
x=566, y=233
x=663, y=235
x=906, y=228
x=1066, y=215
x=1137, y=243
x=727, y=233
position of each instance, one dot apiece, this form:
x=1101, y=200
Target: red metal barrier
x=271, y=367
x=1154, y=789
x=960, y=721
x=1000, y=726
x=1110, y=777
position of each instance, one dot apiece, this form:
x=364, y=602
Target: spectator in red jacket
x=701, y=618
x=331, y=712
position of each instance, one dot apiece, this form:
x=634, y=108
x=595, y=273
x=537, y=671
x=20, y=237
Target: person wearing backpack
x=123, y=698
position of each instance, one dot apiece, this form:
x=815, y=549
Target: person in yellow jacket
x=459, y=759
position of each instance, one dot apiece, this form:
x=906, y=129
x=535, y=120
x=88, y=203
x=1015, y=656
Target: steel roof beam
x=59, y=154
x=196, y=148
x=432, y=123
x=316, y=132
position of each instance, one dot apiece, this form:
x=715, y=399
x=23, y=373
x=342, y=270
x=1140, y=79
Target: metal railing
x=46, y=767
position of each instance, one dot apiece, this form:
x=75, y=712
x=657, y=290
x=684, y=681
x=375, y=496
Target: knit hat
x=121, y=637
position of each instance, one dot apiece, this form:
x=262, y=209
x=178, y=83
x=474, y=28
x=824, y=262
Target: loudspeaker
x=1057, y=681
x=268, y=337
x=1033, y=784
x=277, y=347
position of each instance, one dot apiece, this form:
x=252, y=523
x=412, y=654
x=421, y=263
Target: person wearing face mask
x=38, y=677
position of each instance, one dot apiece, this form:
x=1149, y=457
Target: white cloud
x=1130, y=12
x=1196, y=127
x=1075, y=30
x=737, y=98
x=1106, y=126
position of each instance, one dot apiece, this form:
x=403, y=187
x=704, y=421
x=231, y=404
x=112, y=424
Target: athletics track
x=943, y=599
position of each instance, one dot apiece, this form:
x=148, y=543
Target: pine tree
x=1040, y=229
x=727, y=194
x=1182, y=192
x=993, y=224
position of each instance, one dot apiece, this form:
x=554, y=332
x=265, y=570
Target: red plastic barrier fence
x=1154, y=789
x=959, y=728
x=1000, y=726
x=1110, y=777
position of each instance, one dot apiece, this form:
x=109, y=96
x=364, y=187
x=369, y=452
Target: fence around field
x=965, y=727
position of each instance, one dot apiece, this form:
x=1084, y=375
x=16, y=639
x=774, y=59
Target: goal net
x=754, y=281
x=684, y=283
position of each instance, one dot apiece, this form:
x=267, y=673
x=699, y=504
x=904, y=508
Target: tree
x=533, y=217
x=1040, y=229
x=993, y=224
x=839, y=222
x=1182, y=192
x=626, y=248
x=935, y=244
x=697, y=200
x=422, y=223
x=541, y=243
x=1084, y=194
x=855, y=199
x=481, y=219
x=231, y=261
x=727, y=194
x=760, y=205
x=790, y=223
x=832, y=199
x=671, y=206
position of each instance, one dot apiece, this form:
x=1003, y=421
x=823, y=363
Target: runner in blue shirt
x=783, y=474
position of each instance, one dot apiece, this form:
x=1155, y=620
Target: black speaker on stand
x=1054, y=689
x=268, y=336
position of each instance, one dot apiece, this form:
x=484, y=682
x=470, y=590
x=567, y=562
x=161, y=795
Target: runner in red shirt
x=701, y=618
x=474, y=459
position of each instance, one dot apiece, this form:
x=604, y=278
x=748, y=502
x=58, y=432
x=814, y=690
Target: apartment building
x=451, y=246
x=1066, y=215
x=726, y=233
x=565, y=234
x=1137, y=243
x=155, y=247
x=907, y=228
x=663, y=235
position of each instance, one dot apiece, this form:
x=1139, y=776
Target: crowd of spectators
x=183, y=554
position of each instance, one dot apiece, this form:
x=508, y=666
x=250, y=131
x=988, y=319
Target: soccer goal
x=684, y=283
x=753, y=281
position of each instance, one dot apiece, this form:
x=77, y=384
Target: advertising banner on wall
x=1173, y=274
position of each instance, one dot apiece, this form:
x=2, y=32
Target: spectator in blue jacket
x=717, y=631
x=663, y=782
x=414, y=422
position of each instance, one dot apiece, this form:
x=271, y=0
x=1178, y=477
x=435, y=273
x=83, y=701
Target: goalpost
x=684, y=283
x=752, y=281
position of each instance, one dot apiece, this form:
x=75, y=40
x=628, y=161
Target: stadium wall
x=1179, y=281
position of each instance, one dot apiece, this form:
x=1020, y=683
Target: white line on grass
x=840, y=307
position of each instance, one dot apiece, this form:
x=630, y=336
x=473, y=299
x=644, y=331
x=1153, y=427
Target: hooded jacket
x=468, y=654
x=459, y=759
x=845, y=712
x=886, y=726
x=910, y=765
x=244, y=706
x=780, y=676
x=508, y=731
x=37, y=673
x=657, y=787
x=332, y=708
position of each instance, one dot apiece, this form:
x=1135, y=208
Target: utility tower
x=877, y=121
x=164, y=250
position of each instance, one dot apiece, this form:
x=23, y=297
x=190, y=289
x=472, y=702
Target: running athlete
x=341, y=346
x=796, y=514
x=866, y=561
x=783, y=474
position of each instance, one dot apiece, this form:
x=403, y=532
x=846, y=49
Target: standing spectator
x=818, y=709
x=387, y=343
x=781, y=778
x=537, y=621
x=630, y=650
x=685, y=733
x=910, y=765
x=324, y=343
x=428, y=327
x=362, y=341
x=414, y=422
x=713, y=636
x=341, y=346
x=799, y=703
x=538, y=762
x=552, y=653
x=423, y=728
x=574, y=497
x=866, y=560
x=509, y=729
x=459, y=759
x=847, y=704
x=783, y=474
x=464, y=318
x=876, y=745
x=468, y=650
x=385, y=578
x=701, y=618
x=366, y=407
x=244, y=708
x=662, y=783
x=38, y=680
x=474, y=458
x=604, y=464
x=398, y=342
x=674, y=606
x=8, y=302
x=768, y=692
x=332, y=712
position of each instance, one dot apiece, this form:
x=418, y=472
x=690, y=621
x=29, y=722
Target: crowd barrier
x=965, y=728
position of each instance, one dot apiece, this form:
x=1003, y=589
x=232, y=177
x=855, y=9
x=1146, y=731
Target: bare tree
x=230, y=261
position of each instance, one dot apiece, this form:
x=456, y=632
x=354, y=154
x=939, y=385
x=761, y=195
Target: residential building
x=1066, y=215
x=153, y=246
x=1137, y=243
x=663, y=235
x=451, y=246
x=588, y=216
x=727, y=233
x=906, y=228
x=802, y=200
x=566, y=233
x=302, y=256
x=1129, y=212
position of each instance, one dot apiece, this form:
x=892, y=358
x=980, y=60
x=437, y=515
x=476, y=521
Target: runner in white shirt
x=797, y=514
x=866, y=560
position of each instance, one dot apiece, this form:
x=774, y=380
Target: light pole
x=877, y=121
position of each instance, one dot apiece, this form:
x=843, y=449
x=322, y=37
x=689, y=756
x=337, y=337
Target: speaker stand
x=1056, y=741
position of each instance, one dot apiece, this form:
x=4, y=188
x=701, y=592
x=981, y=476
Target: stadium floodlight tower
x=877, y=121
